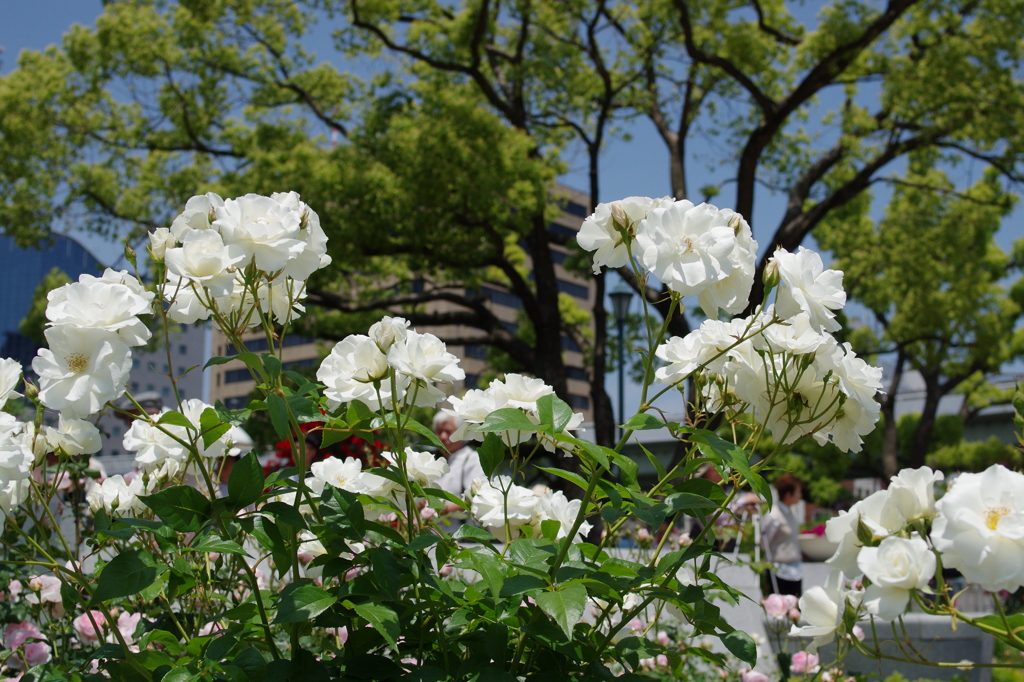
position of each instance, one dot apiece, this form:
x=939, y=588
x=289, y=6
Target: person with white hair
x=463, y=462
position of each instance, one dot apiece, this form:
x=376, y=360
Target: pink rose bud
x=643, y=535
x=753, y=676
x=663, y=638
x=90, y=629
x=775, y=605
x=803, y=662
x=794, y=615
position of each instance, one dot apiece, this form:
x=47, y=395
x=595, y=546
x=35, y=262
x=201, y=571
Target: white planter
x=817, y=547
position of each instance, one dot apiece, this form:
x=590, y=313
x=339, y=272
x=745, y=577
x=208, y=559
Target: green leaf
x=269, y=537
x=567, y=475
x=489, y=568
x=300, y=602
x=507, y=419
x=343, y=511
x=181, y=507
x=245, y=484
x=467, y=532
x=655, y=462
x=284, y=513
x=643, y=422
x=273, y=365
x=628, y=469
x=209, y=543
x=128, y=573
x=492, y=453
x=211, y=427
x=733, y=456
x=518, y=584
x=741, y=646
x=278, y=414
x=175, y=419
x=555, y=414
x=383, y=620
x=235, y=417
x=386, y=571
x=565, y=606
x=252, y=663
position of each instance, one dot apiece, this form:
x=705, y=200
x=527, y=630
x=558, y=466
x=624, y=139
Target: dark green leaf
x=273, y=365
x=492, y=453
x=284, y=513
x=269, y=537
x=300, y=602
x=466, y=532
x=643, y=422
x=741, y=646
x=565, y=606
x=278, y=415
x=555, y=414
x=733, y=456
x=518, y=584
x=128, y=573
x=342, y=511
x=175, y=419
x=383, y=620
x=386, y=571
x=245, y=484
x=252, y=663
x=507, y=419
x=211, y=427
x=209, y=543
x=489, y=567
x=181, y=507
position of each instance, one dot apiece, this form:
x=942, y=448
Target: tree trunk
x=548, y=325
x=923, y=433
x=890, y=462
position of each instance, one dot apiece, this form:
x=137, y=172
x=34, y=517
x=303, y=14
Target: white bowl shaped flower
x=74, y=437
x=491, y=505
x=424, y=357
x=199, y=214
x=422, y=467
x=343, y=474
x=100, y=304
x=349, y=371
x=822, y=607
x=266, y=230
x=81, y=370
x=979, y=528
x=10, y=375
x=598, y=231
x=897, y=567
x=806, y=286
x=203, y=257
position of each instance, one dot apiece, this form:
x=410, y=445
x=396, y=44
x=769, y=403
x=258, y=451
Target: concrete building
x=231, y=382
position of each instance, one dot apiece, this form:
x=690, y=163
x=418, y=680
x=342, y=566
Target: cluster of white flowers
x=392, y=358
x=161, y=450
x=499, y=499
x=215, y=242
x=119, y=496
x=515, y=391
x=893, y=538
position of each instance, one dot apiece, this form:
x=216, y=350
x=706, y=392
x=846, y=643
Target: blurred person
x=781, y=538
x=463, y=464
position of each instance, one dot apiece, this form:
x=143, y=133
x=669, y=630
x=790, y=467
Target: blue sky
x=635, y=167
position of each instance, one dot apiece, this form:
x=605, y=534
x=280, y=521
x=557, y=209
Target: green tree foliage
x=34, y=322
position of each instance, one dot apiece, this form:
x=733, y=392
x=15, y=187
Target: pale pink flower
x=16, y=636
x=127, y=623
x=803, y=662
x=663, y=638
x=342, y=634
x=794, y=615
x=636, y=625
x=643, y=535
x=14, y=588
x=753, y=676
x=779, y=605
x=446, y=570
x=858, y=632
x=210, y=628
x=86, y=627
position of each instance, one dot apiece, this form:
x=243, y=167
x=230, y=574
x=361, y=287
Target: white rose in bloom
x=859, y=382
x=794, y=335
x=312, y=233
x=423, y=467
x=555, y=506
x=375, y=485
x=281, y=298
x=879, y=513
x=100, y=304
x=16, y=457
x=193, y=409
x=266, y=230
x=122, y=277
x=13, y=493
x=523, y=391
x=239, y=302
x=117, y=497
x=979, y=528
x=185, y=305
x=897, y=567
x=344, y=474
x=733, y=292
x=822, y=609
x=81, y=370
x=160, y=240
x=699, y=348
x=687, y=247
x=349, y=371
x=74, y=437
x=472, y=409
x=598, y=232
x=10, y=375
x=154, y=447
x=808, y=287
x=389, y=331
x=199, y=214
x=9, y=425
x=913, y=492
x=424, y=356
x=203, y=257
x=490, y=507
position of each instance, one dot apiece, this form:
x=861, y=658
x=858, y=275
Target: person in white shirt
x=781, y=538
x=463, y=464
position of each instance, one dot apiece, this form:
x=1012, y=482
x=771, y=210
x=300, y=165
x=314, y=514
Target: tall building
x=232, y=382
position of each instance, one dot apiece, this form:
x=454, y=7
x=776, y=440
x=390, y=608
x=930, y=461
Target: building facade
x=232, y=383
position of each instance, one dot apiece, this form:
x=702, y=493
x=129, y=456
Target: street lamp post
x=621, y=297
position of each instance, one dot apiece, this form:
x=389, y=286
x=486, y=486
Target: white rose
x=979, y=528
x=703, y=347
x=424, y=356
x=155, y=445
x=203, y=257
x=687, y=247
x=193, y=409
x=598, y=232
x=795, y=336
x=81, y=370
x=523, y=391
x=422, y=467
x=879, y=513
x=281, y=299
x=822, y=609
x=10, y=375
x=351, y=368
x=184, y=304
x=311, y=233
x=74, y=437
x=897, y=567
x=265, y=230
x=16, y=457
x=13, y=493
x=732, y=292
x=115, y=496
x=199, y=214
x=472, y=409
x=160, y=240
x=555, y=506
x=491, y=506
x=388, y=331
x=344, y=474
x=100, y=304
x=913, y=492
x=807, y=287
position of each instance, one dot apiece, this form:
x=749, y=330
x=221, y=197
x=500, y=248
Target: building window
x=580, y=402
x=570, y=345
x=166, y=368
x=472, y=381
x=578, y=210
x=115, y=432
x=476, y=351
x=308, y=362
x=237, y=402
x=577, y=373
x=181, y=370
x=114, y=452
x=574, y=290
x=165, y=391
x=182, y=349
x=181, y=392
x=233, y=376
x=135, y=385
x=558, y=257
x=295, y=340
x=150, y=387
x=510, y=327
x=152, y=367
x=504, y=298
x=562, y=230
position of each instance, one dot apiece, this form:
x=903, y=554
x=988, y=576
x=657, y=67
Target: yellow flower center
x=77, y=362
x=993, y=515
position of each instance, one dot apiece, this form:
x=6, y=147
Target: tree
x=34, y=322
x=930, y=272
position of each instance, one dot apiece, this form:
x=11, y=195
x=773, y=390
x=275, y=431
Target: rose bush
x=329, y=570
